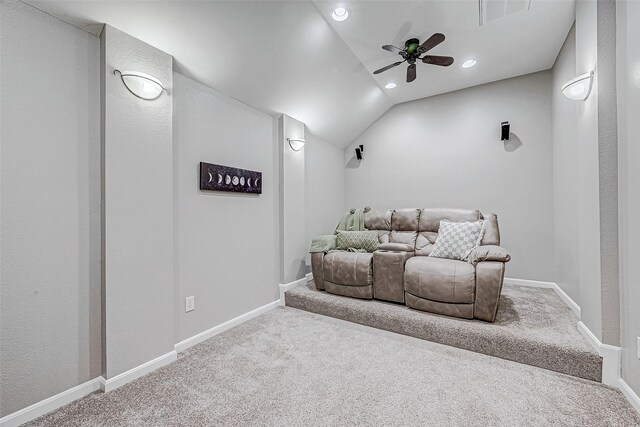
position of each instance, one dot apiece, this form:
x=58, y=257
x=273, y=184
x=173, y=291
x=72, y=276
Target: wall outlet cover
x=189, y=304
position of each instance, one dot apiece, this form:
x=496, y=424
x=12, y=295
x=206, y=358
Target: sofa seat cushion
x=348, y=268
x=439, y=279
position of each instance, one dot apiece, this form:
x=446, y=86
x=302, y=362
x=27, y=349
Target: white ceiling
x=291, y=57
x=518, y=44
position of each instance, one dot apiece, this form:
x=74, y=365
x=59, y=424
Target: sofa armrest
x=489, y=278
x=323, y=243
x=396, y=247
x=489, y=253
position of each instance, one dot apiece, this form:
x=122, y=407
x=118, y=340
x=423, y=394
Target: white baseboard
x=550, y=285
x=527, y=282
x=631, y=396
x=52, y=403
x=196, y=339
x=285, y=287
x=121, y=379
x=610, y=357
x=309, y=277
x=610, y=354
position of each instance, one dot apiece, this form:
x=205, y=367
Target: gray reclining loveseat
x=400, y=270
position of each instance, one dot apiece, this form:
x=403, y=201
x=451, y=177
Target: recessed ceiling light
x=469, y=63
x=340, y=14
x=390, y=85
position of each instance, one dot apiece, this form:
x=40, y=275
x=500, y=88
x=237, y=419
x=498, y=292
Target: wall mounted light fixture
x=578, y=88
x=359, y=151
x=296, y=144
x=141, y=85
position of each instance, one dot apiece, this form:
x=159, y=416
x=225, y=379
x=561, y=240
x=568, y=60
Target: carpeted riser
x=401, y=320
x=289, y=367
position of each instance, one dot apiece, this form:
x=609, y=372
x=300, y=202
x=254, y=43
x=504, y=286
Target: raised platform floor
x=533, y=326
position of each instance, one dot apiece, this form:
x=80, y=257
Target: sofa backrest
x=379, y=221
x=419, y=227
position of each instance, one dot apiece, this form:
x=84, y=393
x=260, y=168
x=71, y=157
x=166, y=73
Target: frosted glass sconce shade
x=141, y=85
x=296, y=144
x=578, y=88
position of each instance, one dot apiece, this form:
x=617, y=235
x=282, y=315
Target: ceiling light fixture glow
x=340, y=14
x=578, y=88
x=390, y=85
x=469, y=63
x=141, y=85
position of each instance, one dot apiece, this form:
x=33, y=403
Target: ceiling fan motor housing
x=412, y=46
x=412, y=53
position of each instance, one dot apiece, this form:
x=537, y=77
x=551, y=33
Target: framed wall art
x=225, y=178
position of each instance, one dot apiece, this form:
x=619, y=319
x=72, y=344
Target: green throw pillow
x=367, y=240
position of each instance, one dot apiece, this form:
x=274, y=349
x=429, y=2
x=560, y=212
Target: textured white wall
x=587, y=158
x=50, y=202
x=628, y=64
x=324, y=187
x=445, y=151
x=138, y=208
x=566, y=183
x=226, y=243
x=292, y=201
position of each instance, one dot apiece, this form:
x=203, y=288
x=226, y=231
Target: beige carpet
x=533, y=326
x=293, y=368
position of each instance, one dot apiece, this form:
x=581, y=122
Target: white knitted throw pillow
x=456, y=240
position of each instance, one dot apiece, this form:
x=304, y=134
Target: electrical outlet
x=189, y=304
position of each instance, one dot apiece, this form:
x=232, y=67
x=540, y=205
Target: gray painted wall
x=598, y=172
x=565, y=173
x=608, y=172
x=294, y=246
x=138, y=208
x=324, y=187
x=225, y=242
x=446, y=151
x=587, y=158
x=628, y=34
x=50, y=201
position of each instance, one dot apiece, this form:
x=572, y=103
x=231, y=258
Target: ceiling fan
x=411, y=53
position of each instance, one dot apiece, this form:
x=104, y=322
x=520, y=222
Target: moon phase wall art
x=225, y=178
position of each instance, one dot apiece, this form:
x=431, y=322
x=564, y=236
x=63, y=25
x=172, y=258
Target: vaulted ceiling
x=291, y=57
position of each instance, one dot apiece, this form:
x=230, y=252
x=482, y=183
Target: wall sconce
x=141, y=85
x=505, y=131
x=359, y=151
x=578, y=88
x=296, y=144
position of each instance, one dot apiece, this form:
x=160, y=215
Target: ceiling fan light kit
x=413, y=52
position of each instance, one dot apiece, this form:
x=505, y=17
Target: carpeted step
x=533, y=327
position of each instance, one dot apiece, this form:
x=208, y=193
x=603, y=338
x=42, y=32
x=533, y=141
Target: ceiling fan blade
x=388, y=67
x=411, y=73
x=431, y=42
x=391, y=48
x=443, y=61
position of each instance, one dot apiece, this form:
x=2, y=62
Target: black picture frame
x=226, y=178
